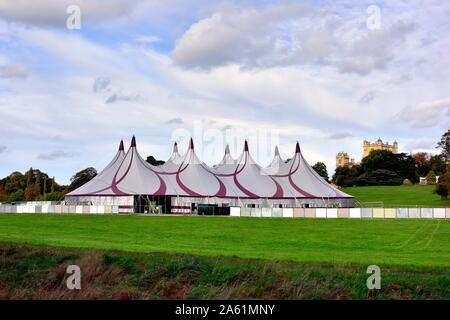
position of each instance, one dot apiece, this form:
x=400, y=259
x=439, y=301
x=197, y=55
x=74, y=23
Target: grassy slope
x=33, y=272
x=381, y=242
x=415, y=195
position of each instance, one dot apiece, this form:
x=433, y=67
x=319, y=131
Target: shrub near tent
x=443, y=186
x=431, y=177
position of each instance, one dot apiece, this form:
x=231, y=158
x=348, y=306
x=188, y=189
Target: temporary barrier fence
x=330, y=213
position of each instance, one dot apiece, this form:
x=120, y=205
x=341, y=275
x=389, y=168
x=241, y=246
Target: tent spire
x=175, y=147
x=245, y=145
x=277, y=153
x=297, y=148
x=191, y=144
x=133, y=142
x=121, y=147
x=227, y=149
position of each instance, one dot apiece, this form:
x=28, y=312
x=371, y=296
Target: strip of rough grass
x=37, y=272
x=401, y=242
x=415, y=195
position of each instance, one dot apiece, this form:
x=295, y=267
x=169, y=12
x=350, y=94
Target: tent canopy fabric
x=188, y=176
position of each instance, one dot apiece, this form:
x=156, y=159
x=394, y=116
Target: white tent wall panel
x=439, y=213
x=288, y=212
x=355, y=212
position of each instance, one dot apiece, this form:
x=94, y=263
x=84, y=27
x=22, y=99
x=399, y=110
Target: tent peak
x=277, y=152
x=245, y=145
x=175, y=147
x=297, y=148
x=121, y=147
x=227, y=149
x=191, y=144
x=133, y=142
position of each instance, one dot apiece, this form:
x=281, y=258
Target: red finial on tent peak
x=245, y=145
x=191, y=144
x=121, y=147
x=227, y=149
x=277, y=153
x=133, y=142
x=175, y=147
x=297, y=148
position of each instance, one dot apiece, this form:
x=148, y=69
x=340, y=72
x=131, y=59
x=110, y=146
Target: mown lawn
x=344, y=241
x=415, y=195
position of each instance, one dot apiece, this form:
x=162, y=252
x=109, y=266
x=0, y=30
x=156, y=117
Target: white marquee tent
x=184, y=183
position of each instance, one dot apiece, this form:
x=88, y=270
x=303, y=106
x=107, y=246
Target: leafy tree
x=54, y=196
x=2, y=194
x=16, y=196
x=82, y=177
x=346, y=176
x=444, y=145
x=53, y=187
x=423, y=163
x=37, y=184
x=400, y=163
x=438, y=164
x=30, y=193
x=380, y=177
x=442, y=188
x=431, y=177
x=321, y=169
x=153, y=161
x=29, y=177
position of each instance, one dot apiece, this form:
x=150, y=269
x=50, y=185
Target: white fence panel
x=355, y=212
x=321, y=213
x=426, y=213
x=277, y=212
x=266, y=212
x=439, y=213
x=332, y=212
x=414, y=213
x=288, y=212
x=234, y=211
x=402, y=212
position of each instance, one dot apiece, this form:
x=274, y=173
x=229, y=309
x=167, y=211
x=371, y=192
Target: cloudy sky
x=325, y=73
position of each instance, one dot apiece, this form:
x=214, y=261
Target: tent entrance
x=146, y=204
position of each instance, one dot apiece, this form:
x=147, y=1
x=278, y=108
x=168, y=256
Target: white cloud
x=11, y=71
x=340, y=135
x=2, y=149
x=427, y=114
x=289, y=35
x=55, y=155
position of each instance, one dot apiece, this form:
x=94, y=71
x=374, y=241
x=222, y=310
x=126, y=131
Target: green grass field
x=344, y=241
x=415, y=195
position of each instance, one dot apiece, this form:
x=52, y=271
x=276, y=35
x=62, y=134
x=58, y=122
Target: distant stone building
x=344, y=160
x=379, y=145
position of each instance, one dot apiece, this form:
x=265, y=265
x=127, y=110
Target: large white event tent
x=184, y=184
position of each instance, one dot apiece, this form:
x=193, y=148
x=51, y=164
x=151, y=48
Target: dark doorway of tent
x=146, y=204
